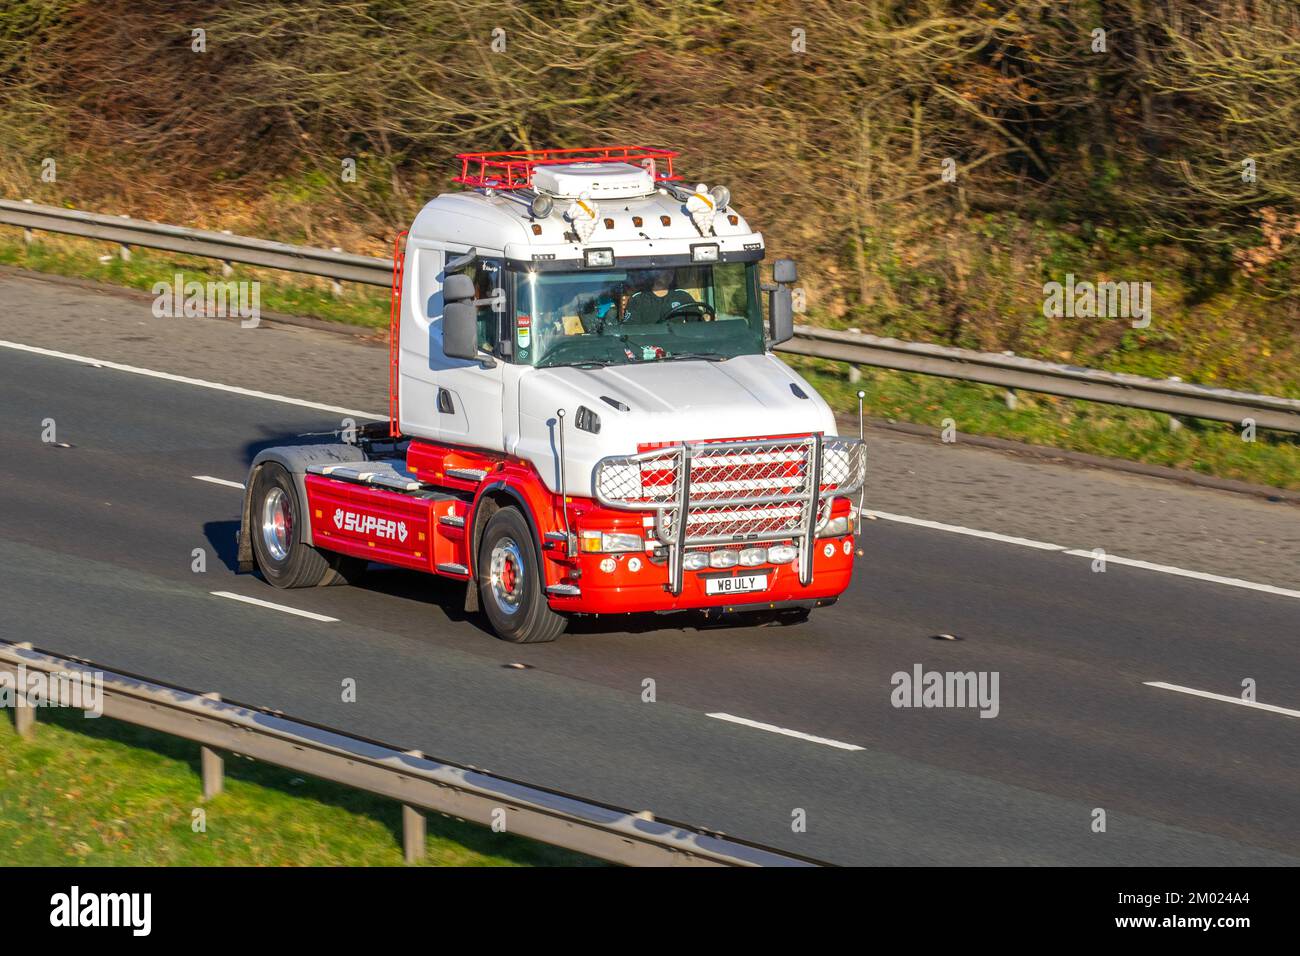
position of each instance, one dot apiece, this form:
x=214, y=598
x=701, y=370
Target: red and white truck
x=586, y=414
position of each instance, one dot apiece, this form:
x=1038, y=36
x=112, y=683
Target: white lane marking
x=276, y=607
x=1198, y=575
x=973, y=532
x=789, y=733
x=201, y=383
x=219, y=481
x=1223, y=697
x=1079, y=553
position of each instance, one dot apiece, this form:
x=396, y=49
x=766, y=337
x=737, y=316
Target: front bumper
x=632, y=583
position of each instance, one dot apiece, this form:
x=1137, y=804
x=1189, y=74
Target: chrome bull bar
x=734, y=492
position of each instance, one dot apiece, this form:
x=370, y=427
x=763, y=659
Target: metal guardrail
x=1008, y=371
x=1070, y=381
x=198, y=242
x=416, y=781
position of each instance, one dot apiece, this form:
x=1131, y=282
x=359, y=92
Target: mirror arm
x=461, y=261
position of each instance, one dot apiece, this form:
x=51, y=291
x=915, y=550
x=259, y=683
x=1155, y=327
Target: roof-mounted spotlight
x=541, y=206
x=721, y=196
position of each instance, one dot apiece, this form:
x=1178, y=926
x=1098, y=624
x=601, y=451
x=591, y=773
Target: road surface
x=750, y=730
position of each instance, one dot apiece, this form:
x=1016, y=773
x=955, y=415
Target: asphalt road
x=96, y=546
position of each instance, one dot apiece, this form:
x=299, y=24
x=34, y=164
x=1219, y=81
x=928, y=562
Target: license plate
x=739, y=584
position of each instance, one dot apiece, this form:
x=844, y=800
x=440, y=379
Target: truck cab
x=586, y=414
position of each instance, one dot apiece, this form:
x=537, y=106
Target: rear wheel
x=276, y=526
x=510, y=582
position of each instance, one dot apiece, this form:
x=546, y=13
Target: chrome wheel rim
x=277, y=524
x=507, y=576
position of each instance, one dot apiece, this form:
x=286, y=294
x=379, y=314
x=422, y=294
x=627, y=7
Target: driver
x=651, y=305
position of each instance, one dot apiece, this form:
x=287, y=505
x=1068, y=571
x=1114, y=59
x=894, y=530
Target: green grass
x=278, y=291
x=103, y=793
x=1210, y=448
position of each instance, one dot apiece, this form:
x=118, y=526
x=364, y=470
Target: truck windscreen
x=624, y=316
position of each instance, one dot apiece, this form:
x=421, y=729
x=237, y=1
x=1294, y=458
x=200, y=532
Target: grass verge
x=104, y=793
x=1210, y=448
x=282, y=292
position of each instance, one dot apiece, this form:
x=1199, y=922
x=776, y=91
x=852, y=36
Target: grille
x=751, y=490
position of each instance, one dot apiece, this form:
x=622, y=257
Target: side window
x=423, y=267
x=488, y=279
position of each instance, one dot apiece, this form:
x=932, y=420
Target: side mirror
x=780, y=317
x=785, y=271
x=460, y=329
x=457, y=288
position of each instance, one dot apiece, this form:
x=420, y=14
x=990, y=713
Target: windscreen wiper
x=705, y=356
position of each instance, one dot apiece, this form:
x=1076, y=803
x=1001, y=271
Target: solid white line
x=1076, y=552
x=276, y=607
x=201, y=383
x=789, y=733
x=219, y=481
x=1198, y=575
x=1223, y=697
x=958, y=529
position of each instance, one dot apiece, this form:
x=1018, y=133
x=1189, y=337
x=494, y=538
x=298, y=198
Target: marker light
x=752, y=557
x=598, y=257
x=723, y=558
x=704, y=252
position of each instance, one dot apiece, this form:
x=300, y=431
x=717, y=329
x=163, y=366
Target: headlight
x=782, y=553
x=723, y=558
x=837, y=527
x=752, y=557
x=596, y=542
x=695, y=560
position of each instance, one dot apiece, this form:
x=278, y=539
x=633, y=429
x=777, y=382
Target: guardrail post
x=24, y=717
x=28, y=238
x=226, y=268
x=855, y=374
x=336, y=287
x=212, y=766
x=1011, y=399
x=413, y=834
x=24, y=712
x=213, y=772
x=414, y=830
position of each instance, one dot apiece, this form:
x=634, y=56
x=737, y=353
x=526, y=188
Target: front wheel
x=510, y=582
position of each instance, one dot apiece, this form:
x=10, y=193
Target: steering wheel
x=700, y=307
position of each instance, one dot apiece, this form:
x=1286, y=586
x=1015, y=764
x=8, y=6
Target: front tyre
x=510, y=582
x=276, y=525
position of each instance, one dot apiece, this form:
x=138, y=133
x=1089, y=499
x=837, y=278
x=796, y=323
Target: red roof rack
x=513, y=169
